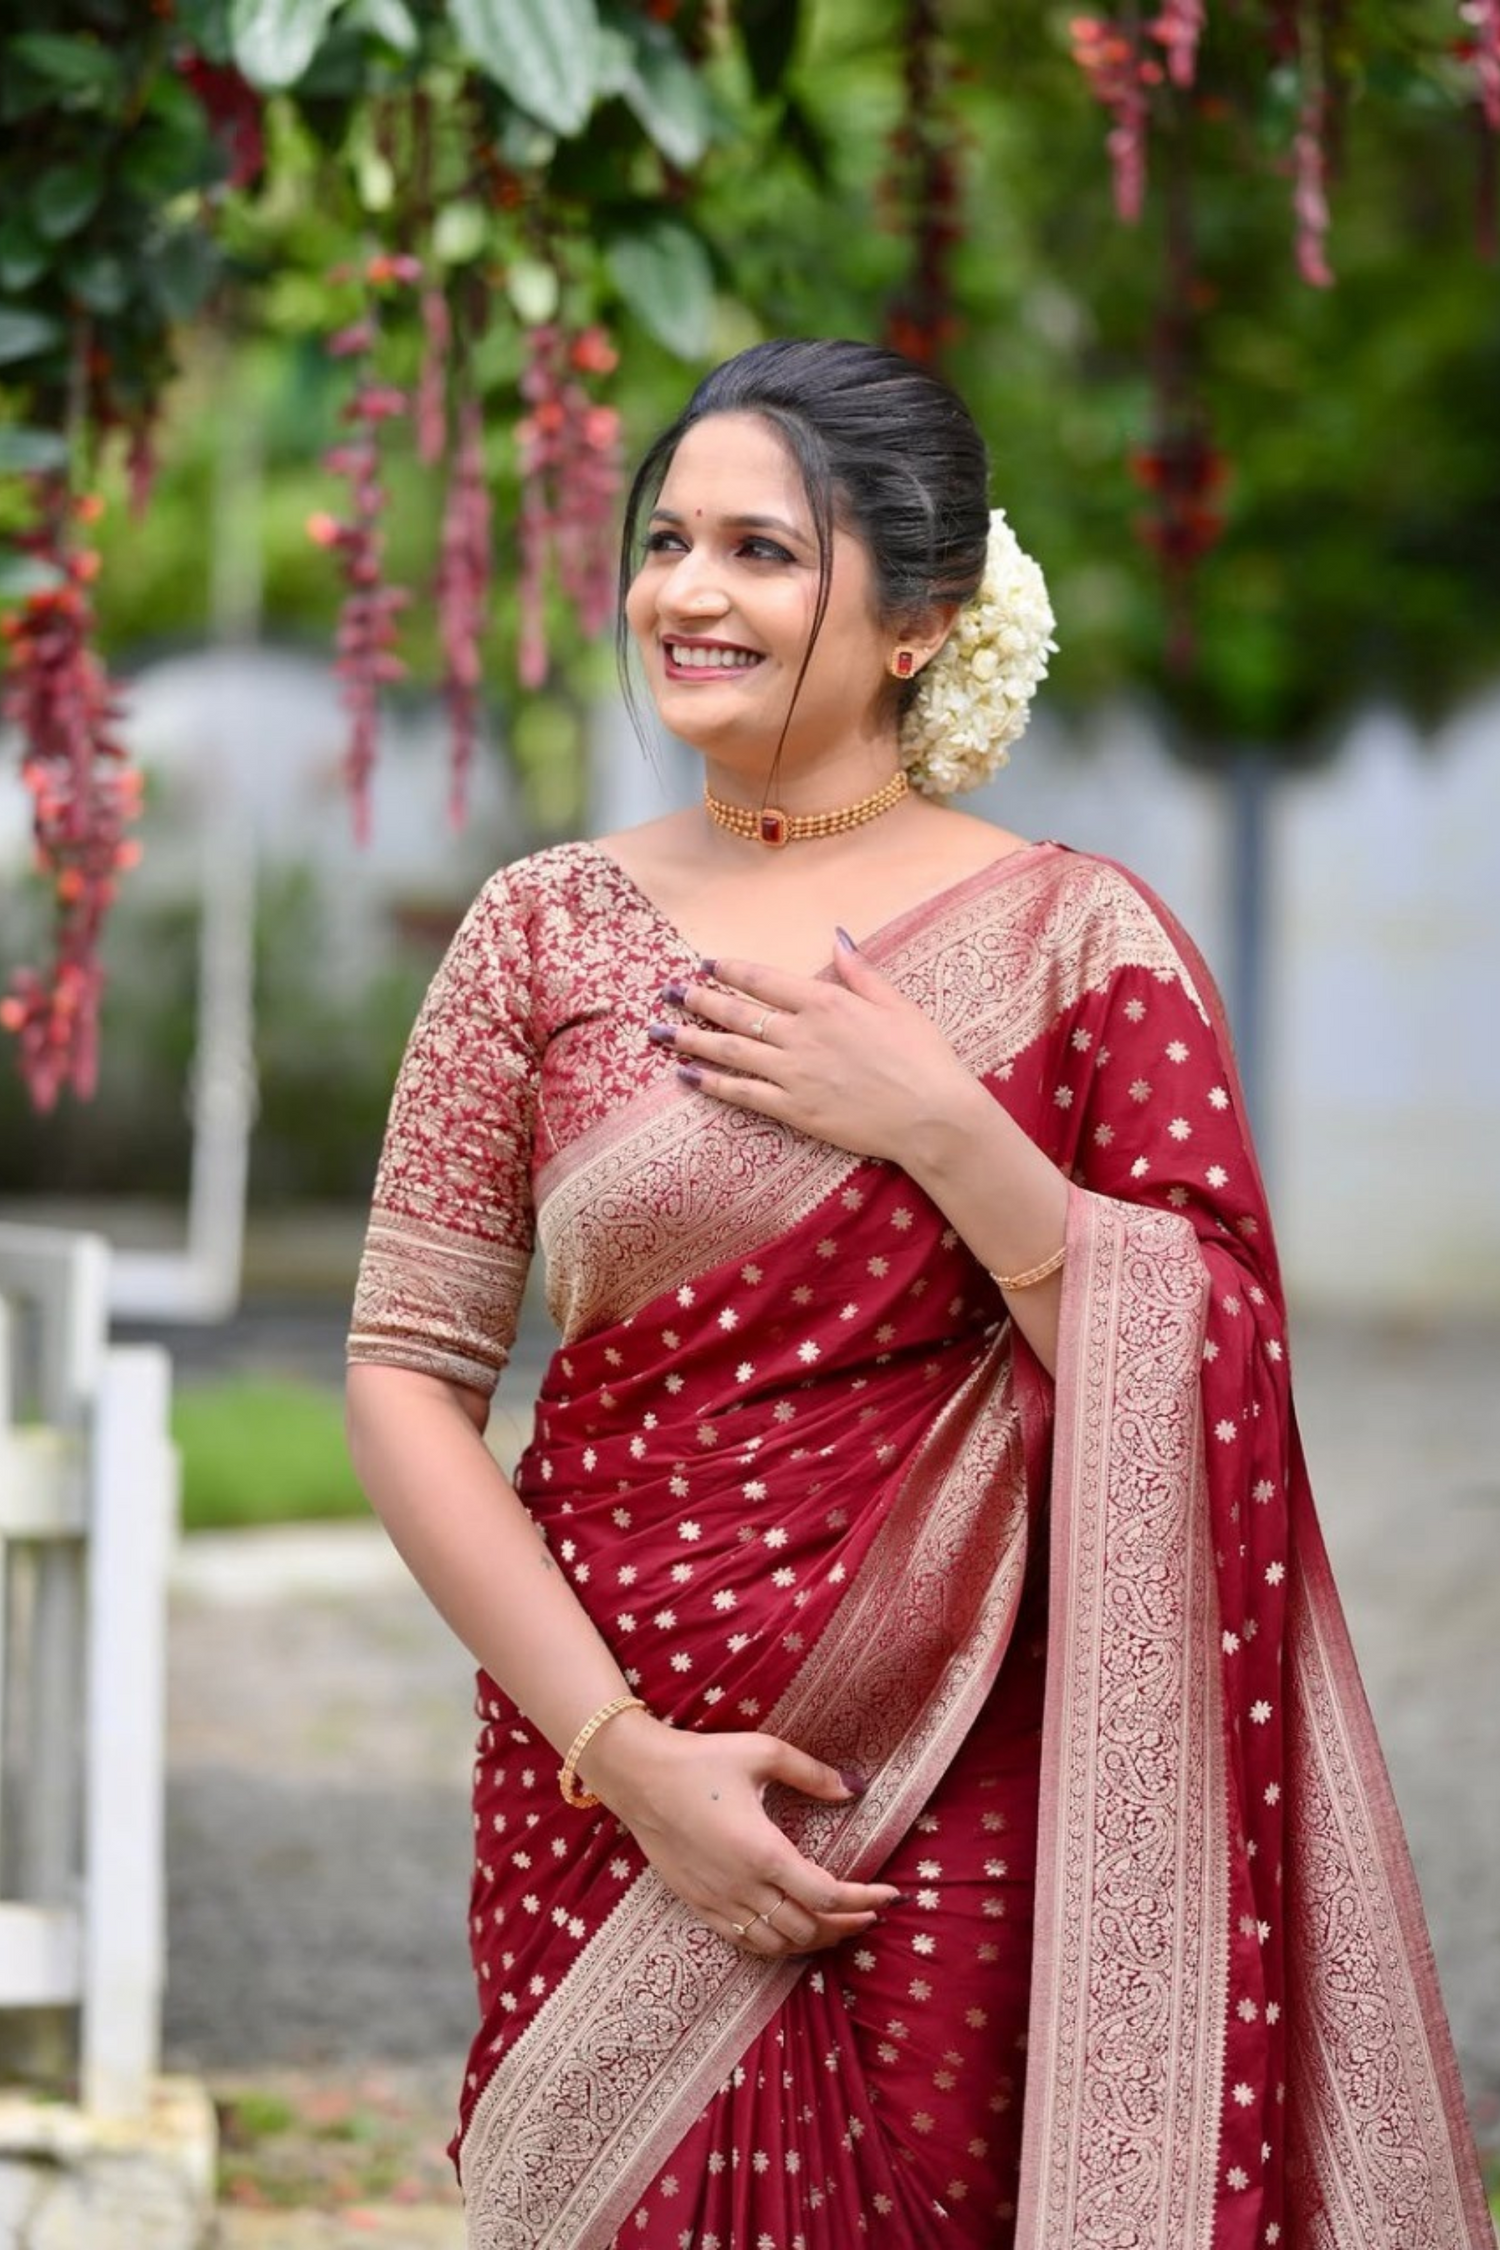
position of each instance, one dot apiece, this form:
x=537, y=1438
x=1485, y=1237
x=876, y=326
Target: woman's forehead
x=735, y=464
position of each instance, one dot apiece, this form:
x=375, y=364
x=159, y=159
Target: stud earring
x=904, y=663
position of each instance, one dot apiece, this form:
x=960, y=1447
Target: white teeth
x=690, y=658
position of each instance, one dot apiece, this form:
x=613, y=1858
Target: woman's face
x=722, y=605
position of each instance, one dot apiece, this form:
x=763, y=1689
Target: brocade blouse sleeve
x=451, y=1226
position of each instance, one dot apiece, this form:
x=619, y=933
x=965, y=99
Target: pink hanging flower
x=366, y=659
x=463, y=586
x=84, y=796
x=1120, y=79
x=1482, y=53
x=570, y=476
x=1178, y=29
x=432, y=417
x=1310, y=200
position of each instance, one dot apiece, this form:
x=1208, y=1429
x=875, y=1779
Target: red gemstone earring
x=904, y=663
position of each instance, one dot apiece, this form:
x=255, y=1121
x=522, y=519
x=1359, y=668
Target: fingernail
x=845, y=940
x=898, y=1899
x=707, y=967
x=660, y=1034
x=690, y=1074
x=855, y=1783
x=674, y=994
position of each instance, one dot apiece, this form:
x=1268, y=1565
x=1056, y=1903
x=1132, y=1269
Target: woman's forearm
x=464, y=1533
x=1005, y=1197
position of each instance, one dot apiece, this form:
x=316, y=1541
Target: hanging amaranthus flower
x=1482, y=53
x=1120, y=78
x=924, y=190
x=463, y=585
x=83, y=793
x=1178, y=29
x=570, y=476
x=366, y=641
x=432, y=382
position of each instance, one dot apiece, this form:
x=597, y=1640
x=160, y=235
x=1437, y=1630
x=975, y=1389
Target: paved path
x=319, y=1830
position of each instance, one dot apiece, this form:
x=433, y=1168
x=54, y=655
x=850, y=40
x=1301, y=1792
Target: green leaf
x=390, y=21
x=183, y=268
x=21, y=575
x=66, y=197
x=769, y=31
x=102, y=282
x=459, y=232
x=74, y=66
x=543, y=53
x=663, y=273
x=275, y=40
x=24, y=334
x=532, y=287
x=667, y=95
x=25, y=453
x=22, y=257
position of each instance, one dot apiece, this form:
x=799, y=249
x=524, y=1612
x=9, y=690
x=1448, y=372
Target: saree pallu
x=1159, y=1976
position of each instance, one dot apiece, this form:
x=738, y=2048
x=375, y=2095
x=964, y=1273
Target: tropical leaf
x=663, y=273
x=74, y=66
x=661, y=86
x=275, y=40
x=25, y=453
x=543, y=53
x=23, y=334
x=65, y=198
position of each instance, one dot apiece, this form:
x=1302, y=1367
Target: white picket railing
x=87, y=1509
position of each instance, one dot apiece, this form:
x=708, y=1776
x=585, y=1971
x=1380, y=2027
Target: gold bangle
x=1024, y=1280
x=581, y=1799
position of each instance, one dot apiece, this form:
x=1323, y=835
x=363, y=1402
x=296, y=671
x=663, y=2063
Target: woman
x=923, y=1793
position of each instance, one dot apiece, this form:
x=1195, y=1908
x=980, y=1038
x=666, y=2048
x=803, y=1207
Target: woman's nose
x=692, y=590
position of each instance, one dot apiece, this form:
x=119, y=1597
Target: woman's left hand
x=850, y=1061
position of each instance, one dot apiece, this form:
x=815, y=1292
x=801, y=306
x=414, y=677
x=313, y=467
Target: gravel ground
x=318, y=1827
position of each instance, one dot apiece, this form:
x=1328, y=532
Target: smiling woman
x=912, y=1580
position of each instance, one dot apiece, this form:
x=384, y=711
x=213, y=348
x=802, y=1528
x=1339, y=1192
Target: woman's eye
x=663, y=543
x=766, y=550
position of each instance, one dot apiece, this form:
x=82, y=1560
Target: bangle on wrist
x=567, y=1778
x=1033, y=1274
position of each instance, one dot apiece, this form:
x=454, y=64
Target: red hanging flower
x=463, y=586
x=570, y=476
x=1120, y=79
x=84, y=796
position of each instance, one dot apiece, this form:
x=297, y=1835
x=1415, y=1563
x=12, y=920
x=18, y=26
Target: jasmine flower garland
x=974, y=697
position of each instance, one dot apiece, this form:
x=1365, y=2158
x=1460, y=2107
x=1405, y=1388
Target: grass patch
x=261, y=1451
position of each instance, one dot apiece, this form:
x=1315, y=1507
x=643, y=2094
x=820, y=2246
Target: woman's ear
x=919, y=637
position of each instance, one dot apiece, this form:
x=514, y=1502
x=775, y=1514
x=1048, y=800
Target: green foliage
x=262, y=1452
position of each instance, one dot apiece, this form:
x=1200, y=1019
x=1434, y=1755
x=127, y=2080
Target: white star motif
x=1140, y=1089
x=1225, y=1432
x=1139, y=1168
x=687, y=1295
x=1275, y=1572
x=690, y=1531
x=901, y=1219
x=1244, y=2094
x=1218, y=1098
x=1135, y=1009
x=808, y=1352
x=1083, y=1040
x=1063, y=1097
x=1103, y=1135
x=726, y=1598
x=729, y=1318
x=1177, y=1052
x=1231, y=1644
x=1273, y=1792
x=1260, y=1712
x=1216, y=1176
x=750, y=1275
x=1180, y=1129
x=744, y=1371
x=1236, y=2177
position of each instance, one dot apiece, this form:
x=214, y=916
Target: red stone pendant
x=773, y=825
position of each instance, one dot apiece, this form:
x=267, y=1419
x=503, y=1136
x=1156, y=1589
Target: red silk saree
x=1159, y=1977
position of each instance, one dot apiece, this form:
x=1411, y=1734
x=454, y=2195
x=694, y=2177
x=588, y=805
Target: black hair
x=885, y=450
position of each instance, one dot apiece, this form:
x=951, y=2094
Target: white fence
x=87, y=1507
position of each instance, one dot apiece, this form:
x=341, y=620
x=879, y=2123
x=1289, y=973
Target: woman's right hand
x=695, y=1805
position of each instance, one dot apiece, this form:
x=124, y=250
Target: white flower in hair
x=974, y=697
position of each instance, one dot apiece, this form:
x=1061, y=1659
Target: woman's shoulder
x=1113, y=920
x=567, y=879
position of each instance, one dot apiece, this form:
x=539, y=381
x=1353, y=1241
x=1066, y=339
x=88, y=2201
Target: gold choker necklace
x=774, y=827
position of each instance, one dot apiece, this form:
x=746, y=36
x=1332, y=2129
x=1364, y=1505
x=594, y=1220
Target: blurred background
x=304, y=301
